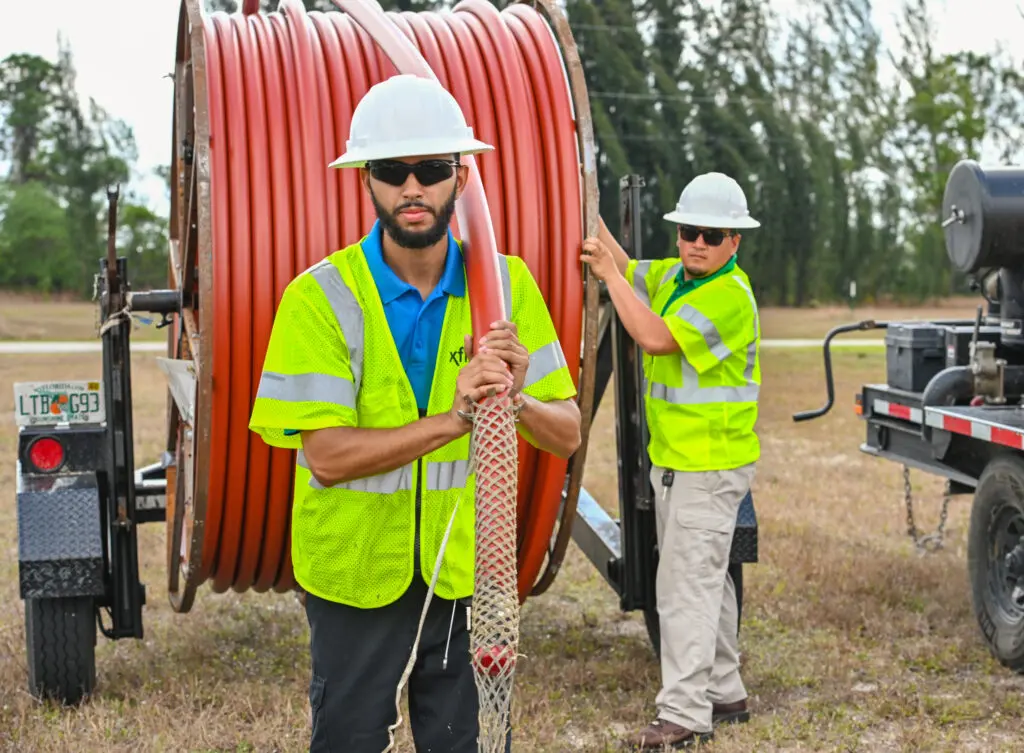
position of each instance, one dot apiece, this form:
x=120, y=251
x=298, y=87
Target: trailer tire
x=60, y=640
x=654, y=624
x=996, y=515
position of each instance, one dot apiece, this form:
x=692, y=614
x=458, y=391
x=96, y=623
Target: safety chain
x=933, y=541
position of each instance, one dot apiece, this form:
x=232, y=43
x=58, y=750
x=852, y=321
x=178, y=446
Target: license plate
x=49, y=403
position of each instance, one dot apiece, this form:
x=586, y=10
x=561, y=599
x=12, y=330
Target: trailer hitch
x=829, y=382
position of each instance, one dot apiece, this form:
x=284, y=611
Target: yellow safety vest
x=701, y=403
x=331, y=361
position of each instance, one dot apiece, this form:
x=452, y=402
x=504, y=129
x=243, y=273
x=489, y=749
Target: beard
x=416, y=239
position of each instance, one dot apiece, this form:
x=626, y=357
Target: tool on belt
x=667, y=477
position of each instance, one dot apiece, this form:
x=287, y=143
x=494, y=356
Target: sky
x=124, y=49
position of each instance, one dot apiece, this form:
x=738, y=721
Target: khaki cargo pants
x=700, y=659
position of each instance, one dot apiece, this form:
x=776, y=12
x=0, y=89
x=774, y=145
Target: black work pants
x=358, y=657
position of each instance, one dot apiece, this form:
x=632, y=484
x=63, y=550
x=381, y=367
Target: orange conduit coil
x=262, y=104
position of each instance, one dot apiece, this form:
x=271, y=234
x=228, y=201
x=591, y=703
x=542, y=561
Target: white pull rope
x=423, y=616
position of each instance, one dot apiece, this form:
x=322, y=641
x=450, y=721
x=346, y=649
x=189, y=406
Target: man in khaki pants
x=696, y=320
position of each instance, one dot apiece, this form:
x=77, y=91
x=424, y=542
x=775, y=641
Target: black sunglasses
x=712, y=237
x=428, y=172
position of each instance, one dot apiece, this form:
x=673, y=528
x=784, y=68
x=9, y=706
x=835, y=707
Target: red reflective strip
x=899, y=411
x=1007, y=437
x=957, y=425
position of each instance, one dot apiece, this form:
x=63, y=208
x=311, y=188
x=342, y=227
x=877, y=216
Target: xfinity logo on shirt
x=458, y=356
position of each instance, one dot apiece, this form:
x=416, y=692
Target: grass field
x=816, y=322
x=24, y=317
x=851, y=640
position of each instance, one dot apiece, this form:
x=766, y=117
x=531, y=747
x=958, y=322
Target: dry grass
x=33, y=317
x=25, y=317
x=816, y=322
x=851, y=641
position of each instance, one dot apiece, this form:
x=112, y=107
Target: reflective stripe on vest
x=640, y=283
x=346, y=310
x=298, y=388
x=506, y=285
x=441, y=477
x=693, y=394
x=325, y=388
x=544, y=361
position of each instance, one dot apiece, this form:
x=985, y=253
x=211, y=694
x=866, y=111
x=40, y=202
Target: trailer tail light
x=858, y=405
x=46, y=454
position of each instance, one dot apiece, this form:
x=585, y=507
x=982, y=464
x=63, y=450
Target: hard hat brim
x=712, y=220
x=358, y=157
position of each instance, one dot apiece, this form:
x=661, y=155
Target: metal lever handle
x=829, y=383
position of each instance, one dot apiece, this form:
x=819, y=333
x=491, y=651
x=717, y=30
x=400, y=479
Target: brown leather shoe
x=730, y=713
x=660, y=733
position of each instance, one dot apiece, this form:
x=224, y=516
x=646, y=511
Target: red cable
x=279, y=251
x=281, y=89
x=544, y=69
x=255, y=516
x=240, y=286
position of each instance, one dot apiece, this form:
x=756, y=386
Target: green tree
x=35, y=245
x=28, y=92
x=142, y=239
x=68, y=153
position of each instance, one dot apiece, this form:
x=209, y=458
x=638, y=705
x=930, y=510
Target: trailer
x=80, y=499
x=952, y=403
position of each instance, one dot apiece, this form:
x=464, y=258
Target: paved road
x=93, y=346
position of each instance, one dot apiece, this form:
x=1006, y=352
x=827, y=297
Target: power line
x=735, y=98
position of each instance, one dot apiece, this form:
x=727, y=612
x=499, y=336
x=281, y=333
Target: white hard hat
x=713, y=200
x=407, y=116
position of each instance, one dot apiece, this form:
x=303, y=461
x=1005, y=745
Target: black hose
x=950, y=386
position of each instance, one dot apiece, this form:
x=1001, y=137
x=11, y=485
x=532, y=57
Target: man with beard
x=695, y=318
x=370, y=373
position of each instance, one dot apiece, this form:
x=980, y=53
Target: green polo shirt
x=684, y=286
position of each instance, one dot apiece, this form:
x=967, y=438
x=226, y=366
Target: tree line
x=842, y=146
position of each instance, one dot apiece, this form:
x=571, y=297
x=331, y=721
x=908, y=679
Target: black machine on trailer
x=625, y=550
x=80, y=498
x=953, y=401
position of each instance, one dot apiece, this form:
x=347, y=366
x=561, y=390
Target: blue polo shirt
x=415, y=323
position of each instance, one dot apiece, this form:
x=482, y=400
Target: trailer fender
x=60, y=544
